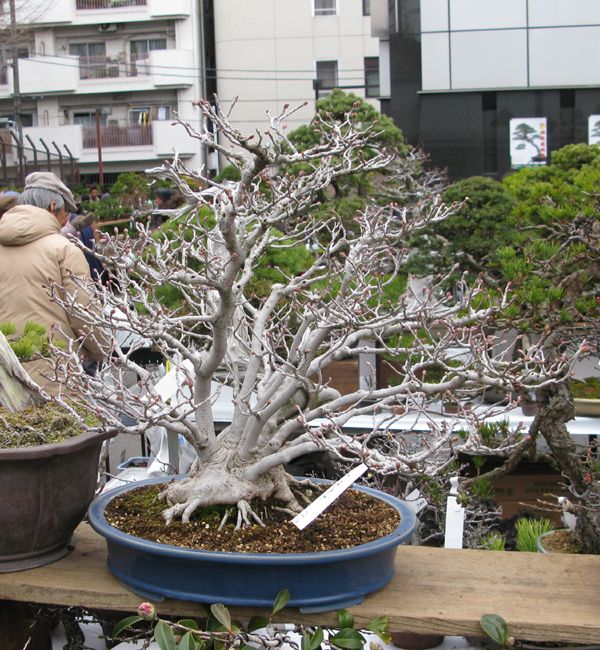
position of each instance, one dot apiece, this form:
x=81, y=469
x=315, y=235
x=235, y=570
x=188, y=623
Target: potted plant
x=270, y=351
x=586, y=395
x=48, y=463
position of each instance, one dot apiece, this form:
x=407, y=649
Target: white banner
x=594, y=129
x=528, y=141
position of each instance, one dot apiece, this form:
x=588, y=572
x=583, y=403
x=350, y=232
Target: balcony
x=49, y=74
x=121, y=143
x=108, y=4
x=134, y=135
x=105, y=67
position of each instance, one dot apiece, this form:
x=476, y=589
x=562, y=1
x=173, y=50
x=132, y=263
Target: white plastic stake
x=170, y=383
x=311, y=512
x=455, y=518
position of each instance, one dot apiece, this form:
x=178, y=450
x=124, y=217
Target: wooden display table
x=439, y=591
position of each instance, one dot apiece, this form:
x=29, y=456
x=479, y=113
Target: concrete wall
x=266, y=53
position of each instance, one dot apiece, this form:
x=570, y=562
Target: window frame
x=368, y=94
x=336, y=74
x=319, y=12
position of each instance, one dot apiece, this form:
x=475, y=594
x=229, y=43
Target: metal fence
x=17, y=161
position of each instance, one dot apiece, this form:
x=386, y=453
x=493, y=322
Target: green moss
x=37, y=425
x=588, y=388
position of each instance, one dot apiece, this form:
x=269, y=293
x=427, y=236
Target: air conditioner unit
x=107, y=27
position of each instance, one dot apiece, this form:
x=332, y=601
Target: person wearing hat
x=33, y=254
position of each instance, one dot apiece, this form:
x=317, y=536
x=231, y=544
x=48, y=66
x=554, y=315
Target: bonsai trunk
x=226, y=479
x=16, y=387
x=555, y=410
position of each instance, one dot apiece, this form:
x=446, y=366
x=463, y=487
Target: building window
x=324, y=7
x=139, y=49
x=372, y=76
x=327, y=74
x=366, y=7
x=92, y=59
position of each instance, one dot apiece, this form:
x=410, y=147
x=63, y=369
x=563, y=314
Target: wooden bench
x=434, y=591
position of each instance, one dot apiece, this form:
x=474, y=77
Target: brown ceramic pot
x=46, y=491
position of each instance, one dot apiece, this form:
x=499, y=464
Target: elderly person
x=33, y=253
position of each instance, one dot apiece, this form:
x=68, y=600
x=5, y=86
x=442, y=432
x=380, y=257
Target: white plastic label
x=415, y=501
x=311, y=512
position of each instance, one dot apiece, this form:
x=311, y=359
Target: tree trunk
x=16, y=390
x=555, y=410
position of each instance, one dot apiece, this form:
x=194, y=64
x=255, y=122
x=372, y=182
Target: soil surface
x=36, y=425
x=354, y=518
x=562, y=541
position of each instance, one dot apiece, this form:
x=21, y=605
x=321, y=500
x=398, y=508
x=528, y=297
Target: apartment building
x=478, y=83
x=274, y=52
x=104, y=78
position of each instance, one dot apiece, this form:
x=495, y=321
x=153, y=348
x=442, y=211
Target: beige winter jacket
x=33, y=252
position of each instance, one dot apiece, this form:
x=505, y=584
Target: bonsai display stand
x=434, y=591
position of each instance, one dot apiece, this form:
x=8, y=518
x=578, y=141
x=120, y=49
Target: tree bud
x=147, y=611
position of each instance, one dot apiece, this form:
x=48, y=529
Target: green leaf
x=125, y=623
x=190, y=623
x=221, y=613
x=495, y=627
x=317, y=639
x=345, y=618
x=379, y=626
x=348, y=640
x=163, y=635
x=281, y=600
x=257, y=622
x=188, y=642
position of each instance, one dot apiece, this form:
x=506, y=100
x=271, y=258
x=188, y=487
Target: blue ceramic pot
x=320, y=581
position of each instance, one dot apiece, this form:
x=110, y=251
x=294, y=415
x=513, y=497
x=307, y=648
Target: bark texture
x=556, y=408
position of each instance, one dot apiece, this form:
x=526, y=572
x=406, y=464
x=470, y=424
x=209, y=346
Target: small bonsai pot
x=45, y=493
x=529, y=408
x=561, y=540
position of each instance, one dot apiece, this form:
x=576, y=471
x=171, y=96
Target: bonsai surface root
x=355, y=518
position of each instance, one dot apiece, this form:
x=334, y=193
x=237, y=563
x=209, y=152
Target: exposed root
x=245, y=512
x=296, y=486
x=287, y=511
x=224, y=520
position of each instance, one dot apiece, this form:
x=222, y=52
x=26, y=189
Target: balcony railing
x=109, y=4
x=118, y=136
x=103, y=67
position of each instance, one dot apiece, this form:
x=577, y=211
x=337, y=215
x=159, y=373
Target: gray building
x=460, y=70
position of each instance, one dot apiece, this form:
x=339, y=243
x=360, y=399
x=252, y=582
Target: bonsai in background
x=272, y=349
x=552, y=260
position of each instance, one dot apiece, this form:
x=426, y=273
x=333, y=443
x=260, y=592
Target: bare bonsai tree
x=274, y=350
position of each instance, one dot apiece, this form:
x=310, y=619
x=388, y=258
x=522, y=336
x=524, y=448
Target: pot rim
x=402, y=533
x=56, y=448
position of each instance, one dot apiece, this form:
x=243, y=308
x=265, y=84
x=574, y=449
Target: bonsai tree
x=272, y=349
x=554, y=268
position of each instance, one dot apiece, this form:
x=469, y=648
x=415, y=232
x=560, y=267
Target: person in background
x=7, y=201
x=33, y=253
x=94, y=194
x=82, y=226
x=164, y=199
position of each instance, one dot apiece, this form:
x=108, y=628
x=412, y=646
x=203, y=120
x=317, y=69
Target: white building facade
x=119, y=69
x=270, y=52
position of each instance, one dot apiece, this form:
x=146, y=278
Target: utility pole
x=16, y=89
x=99, y=143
